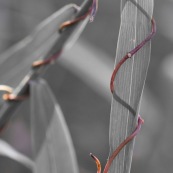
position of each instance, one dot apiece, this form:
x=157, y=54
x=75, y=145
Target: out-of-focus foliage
x=52, y=145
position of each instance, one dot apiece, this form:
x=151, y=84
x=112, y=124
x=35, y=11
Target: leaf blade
x=51, y=135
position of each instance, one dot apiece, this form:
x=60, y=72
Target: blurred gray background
x=84, y=101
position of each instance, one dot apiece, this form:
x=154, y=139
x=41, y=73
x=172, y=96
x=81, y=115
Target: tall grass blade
x=130, y=79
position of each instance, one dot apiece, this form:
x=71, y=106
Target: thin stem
x=131, y=53
x=72, y=22
x=92, y=12
x=98, y=164
x=122, y=145
x=121, y=62
x=6, y=88
x=153, y=32
x=46, y=61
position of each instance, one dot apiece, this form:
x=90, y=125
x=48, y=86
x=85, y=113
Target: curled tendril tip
x=98, y=164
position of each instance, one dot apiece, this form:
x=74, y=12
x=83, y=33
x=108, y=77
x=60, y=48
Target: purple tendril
x=94, y=9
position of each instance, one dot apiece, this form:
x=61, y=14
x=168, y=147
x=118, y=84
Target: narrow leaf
x=130, y=79
x=53, y=148
x=8, y=151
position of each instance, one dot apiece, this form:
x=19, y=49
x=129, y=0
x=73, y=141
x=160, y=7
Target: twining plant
x=128, y=78
x=128, y=55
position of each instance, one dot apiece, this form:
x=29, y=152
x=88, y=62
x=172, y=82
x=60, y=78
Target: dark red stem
x=49, y=60
x=131, y=53
x=92, y=12
x=98, y=164
x=122, y=145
